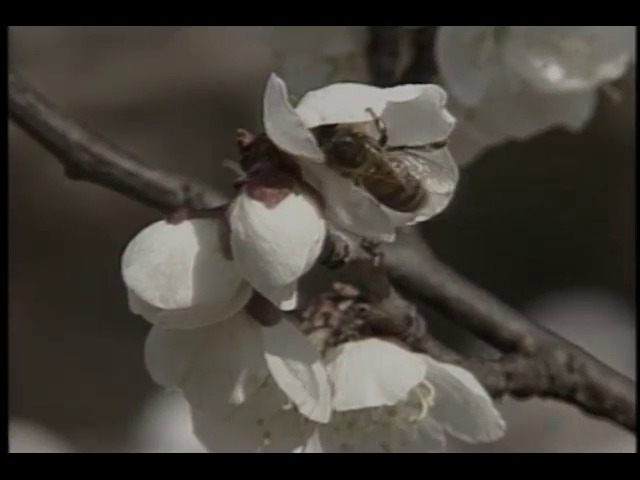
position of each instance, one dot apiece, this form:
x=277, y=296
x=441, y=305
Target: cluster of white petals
x=259, y=389
x=517, y=81
x=203, y=342
x=388, y=399
x=257, y=385
x=414, y=116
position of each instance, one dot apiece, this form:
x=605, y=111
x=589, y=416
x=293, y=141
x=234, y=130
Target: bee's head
x=344, y=143
x=324, y=134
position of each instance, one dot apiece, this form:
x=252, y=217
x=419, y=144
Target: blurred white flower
x=28, y=437
x=248, y=386
x=388, y=399
x=163, y=425
x=275, y=242
x=312, y=56
x=178, y=276
x=568, y=59
x=414, y=116
x=518, y=81
x=470, y=139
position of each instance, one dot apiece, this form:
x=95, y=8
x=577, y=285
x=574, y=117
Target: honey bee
x=392, y=175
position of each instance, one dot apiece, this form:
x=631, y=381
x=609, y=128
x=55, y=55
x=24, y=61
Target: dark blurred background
x=530, y=219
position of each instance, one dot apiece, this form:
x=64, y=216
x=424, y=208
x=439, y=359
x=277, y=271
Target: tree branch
x=537, y=362
x=86, y=156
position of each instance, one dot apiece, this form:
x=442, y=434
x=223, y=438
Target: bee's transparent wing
x=434, y=167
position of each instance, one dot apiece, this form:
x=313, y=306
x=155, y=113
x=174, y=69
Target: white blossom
x=471, y=138
x=243, y=379
x=385, y=399
x=568, y=59
x=414, y=115
x=178, y=276
x=518, y=81
x=274, y=245
x=388, y=399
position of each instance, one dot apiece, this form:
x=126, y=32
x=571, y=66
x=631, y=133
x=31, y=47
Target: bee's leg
x=374, y=249
x=380, y=126
x=337, y=251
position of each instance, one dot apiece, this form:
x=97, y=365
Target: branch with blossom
x=535, y=362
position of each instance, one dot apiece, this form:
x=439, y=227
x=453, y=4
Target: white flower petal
x=349, y=207
x=420, y=119
x=187, y=318
x=569, y=58
x=297, y=368
x=283, y=125
x=274, y=247
x=163, y=425
x=462, y=406
x=521, y=112
x=355, y=102
x=175, y=268
x=372, y=373
x=470, y=138
x=341, y=103
x=262, y=424
x=467, y=60
x=214, y=366
x=168, y=353
x=466, y=146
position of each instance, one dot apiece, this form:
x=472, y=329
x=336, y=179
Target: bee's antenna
x=380, y=126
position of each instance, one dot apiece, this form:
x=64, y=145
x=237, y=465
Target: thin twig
x=570, y=373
